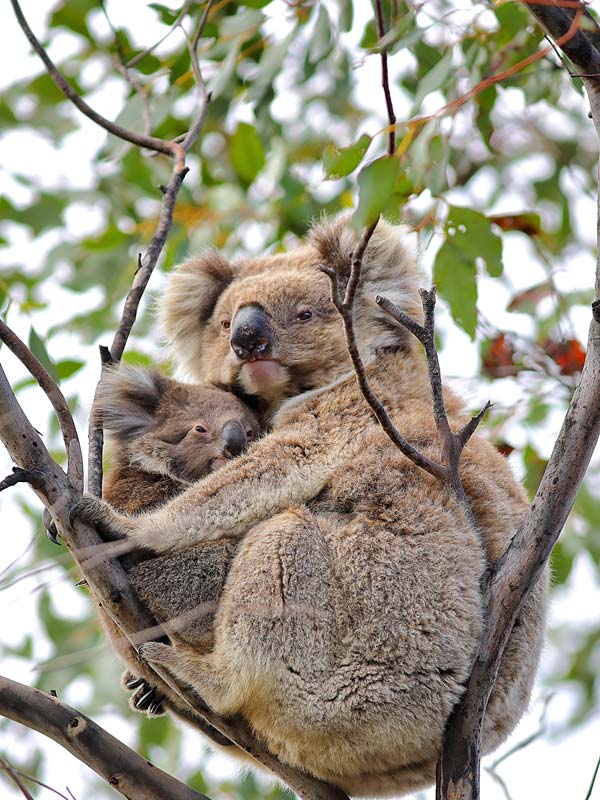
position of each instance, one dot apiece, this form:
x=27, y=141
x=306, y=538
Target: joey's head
x=169, y=428
x=267, y=327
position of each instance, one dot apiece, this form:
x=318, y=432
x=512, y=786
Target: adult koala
x=351, y=614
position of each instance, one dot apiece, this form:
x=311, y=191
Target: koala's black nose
x=233, y=439
x=251, y=334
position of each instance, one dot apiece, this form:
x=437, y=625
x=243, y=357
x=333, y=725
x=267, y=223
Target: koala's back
x=381, y=565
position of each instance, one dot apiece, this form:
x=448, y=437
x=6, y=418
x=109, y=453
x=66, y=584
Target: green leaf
x=433, y=80
x=38, y=348
x=473, y=234
x=66, y=368
x=469, y=238
x=321, y=41
x=375, y=186
x=340, y=161
x=72, y=16
x=454, y=275
x=246, y=152
x=167, y=15
x=346, y=15
x=219, y=82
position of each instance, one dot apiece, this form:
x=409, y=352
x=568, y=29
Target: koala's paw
x=162, y=655
x=101, y=516
x=144, y=698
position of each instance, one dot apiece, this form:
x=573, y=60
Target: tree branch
x=21, y=476
x=122, y=768
x=452, y=444
x=582, y=46
x=343, y=300
x=521, y=565
x=56, y=397
x=149, y=142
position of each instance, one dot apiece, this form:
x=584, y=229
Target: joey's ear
x=128, y=398
x=389, y=269
x=193, y=291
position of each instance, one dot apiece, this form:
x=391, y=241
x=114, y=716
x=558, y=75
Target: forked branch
x=451, y=443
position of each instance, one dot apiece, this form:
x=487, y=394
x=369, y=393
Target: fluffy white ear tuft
x=127, y=400
x=190, y=298
x=389, y=269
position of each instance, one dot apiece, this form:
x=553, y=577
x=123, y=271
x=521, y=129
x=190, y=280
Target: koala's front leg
x=112, y=525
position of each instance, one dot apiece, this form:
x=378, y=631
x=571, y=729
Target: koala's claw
x=145, y=697
x=51, y=529
x=148, y=699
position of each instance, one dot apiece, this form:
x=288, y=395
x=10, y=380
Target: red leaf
x=526, y=223
x=504, y=448
x=498, y=358
x=568, y=354
x=529, y=298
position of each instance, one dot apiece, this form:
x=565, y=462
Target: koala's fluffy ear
x=193, y=290
x=389, y=269
x=128, y=398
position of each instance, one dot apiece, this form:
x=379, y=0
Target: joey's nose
x=251, y=334
x=233, y=439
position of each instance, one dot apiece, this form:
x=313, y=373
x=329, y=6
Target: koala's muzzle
x=251, y=335
x=233, y=439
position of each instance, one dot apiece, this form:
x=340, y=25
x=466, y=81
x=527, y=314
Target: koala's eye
x=304, y=315
x=250, y=434
x=225, y=324
x=200, y=429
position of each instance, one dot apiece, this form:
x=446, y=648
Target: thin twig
x=37, y=782
x=137, y=58
x=121, y=65
x=145, y=268
x=169, y=148
x=385, y=80
x=593, y=781
x=522, y=745
x=14, y=775
x=55, y=396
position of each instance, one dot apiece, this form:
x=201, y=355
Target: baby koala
x=164, y=435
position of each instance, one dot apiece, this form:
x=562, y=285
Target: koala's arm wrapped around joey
x=288, y=467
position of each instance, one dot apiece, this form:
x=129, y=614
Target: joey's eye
x=200, y=429
x=225, y=324
x=304, y=315
x=249, y=434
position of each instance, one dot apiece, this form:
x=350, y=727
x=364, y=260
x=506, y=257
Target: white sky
x=550, y=769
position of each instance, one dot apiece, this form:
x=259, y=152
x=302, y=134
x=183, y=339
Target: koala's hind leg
x=280, y=626
x=200, y=672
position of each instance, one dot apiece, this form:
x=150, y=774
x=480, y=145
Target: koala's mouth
x=262, y=371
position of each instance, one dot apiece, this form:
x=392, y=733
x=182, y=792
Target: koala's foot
x=144, y=697
x=163, y=655
x=106, y=520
